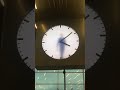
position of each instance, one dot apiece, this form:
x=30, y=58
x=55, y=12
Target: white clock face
x=26, y=40
x=95, y=37
x=60, y=42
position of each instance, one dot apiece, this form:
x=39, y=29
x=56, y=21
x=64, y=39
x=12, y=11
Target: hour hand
x=65, y=44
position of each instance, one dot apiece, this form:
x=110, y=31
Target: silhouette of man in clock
x=61, y=44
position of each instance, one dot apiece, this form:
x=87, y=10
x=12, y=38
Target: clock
x=60, y=42
x=95, y=40
x=101, y=71
x=26, y=39
x=95, y=37
x=14, y=68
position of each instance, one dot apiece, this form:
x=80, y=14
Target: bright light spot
x=70, y=79
x=35, y=6
x=2, y=2
x=39, y=86
x=44, y=74
x=76, y=76
x=35, y=26
x=79, y=81
x=43, y=27
x=67, y=75
x=71, y=88
x=37, y=77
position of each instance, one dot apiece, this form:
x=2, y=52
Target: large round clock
x=26, y=39
x=95, y=37
x=60, y=42
x=95, y=40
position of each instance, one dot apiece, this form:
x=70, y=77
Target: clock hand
x=87, y=16
x=66, y=37
x=65, y=44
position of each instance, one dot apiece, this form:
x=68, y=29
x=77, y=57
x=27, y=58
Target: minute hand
x=66, y=37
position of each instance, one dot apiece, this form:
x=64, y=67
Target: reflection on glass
x=54, y=79
x=74, y=78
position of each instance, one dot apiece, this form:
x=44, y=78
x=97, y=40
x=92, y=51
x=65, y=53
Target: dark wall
x=104, y=75
x=14, y=74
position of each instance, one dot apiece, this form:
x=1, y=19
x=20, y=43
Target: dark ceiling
x=59, y=9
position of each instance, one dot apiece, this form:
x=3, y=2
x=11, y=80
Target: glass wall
x=54, y=79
